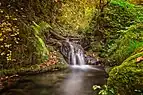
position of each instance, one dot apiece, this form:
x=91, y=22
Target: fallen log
x=56, y=35
x=55, y=39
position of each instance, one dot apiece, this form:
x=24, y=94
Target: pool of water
x=73, y=81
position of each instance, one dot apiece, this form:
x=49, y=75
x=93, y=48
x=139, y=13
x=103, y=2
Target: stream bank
x=10, y=78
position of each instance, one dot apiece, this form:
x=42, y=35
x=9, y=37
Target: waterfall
x=76, y=54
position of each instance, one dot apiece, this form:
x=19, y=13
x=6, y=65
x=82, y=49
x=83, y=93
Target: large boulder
x=127, y=78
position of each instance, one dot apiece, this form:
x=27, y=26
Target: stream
x=73, y=81
x=77, y=79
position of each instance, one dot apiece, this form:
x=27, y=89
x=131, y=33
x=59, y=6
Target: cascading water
x=76, y=54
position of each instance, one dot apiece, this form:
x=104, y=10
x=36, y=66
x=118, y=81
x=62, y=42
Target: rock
x=92, y=61
x=127, y=77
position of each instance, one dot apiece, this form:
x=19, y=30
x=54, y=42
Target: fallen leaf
x=56, y=0
x=139, y=59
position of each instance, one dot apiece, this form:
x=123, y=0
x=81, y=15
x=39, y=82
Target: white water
x=76, y=57
x=76, y=54
x=72, y=55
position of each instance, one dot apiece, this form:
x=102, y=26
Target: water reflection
x=77, y=81
x=73, y=84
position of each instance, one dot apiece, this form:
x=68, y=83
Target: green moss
x=40, y=44
x=128, y=76
x=34, y=69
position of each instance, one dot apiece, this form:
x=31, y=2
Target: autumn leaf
x=56, y=0
x=139, y=59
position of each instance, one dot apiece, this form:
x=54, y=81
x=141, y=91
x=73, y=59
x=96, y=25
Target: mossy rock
x=128, y=77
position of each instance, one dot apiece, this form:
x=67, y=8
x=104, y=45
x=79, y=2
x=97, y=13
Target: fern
x=122, y=3
x=40, y=45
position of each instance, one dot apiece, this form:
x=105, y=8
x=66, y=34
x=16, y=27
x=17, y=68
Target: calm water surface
x=74, y=81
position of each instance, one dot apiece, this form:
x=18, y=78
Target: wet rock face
x=92, y=61
x=65, y=49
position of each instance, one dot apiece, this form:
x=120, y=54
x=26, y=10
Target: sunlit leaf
x=1, y=39
x=96, y=87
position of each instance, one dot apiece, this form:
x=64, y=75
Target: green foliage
x=137, y=2
x=116, y=16
x=9, y=36
x=104, y=90
x=20, y=45
x=32, y=10
x=121, y=15
x=122, y=3
x=133, y=11
x=128, y=42
x=41, y=27
x=76, y=15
